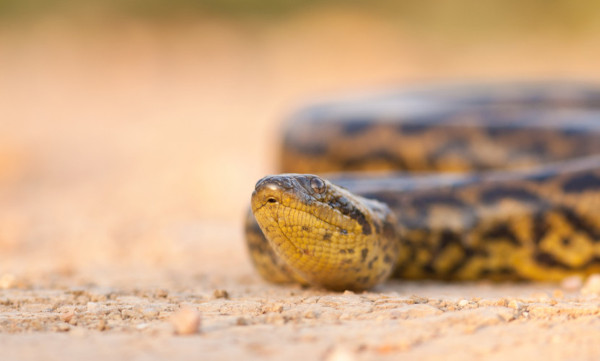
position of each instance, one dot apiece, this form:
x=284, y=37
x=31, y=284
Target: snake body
x=470, y=182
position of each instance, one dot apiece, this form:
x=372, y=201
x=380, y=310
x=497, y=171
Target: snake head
x=329, y=236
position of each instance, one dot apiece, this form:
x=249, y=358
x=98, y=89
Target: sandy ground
x=128, y=152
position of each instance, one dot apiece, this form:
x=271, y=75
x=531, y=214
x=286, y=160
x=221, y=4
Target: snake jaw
x=324, y=233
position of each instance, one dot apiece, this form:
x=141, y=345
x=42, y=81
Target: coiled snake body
x=456, y=183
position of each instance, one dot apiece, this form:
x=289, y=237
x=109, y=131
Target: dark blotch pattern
x=343, y=205
x=582, y=183
x=357, y=126
x=370, y=264
x=393, y=160
x=501, y=232
x=426, y=201
x=363, y=254
x=496, y=194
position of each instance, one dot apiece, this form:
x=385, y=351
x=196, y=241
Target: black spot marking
x=428, y=200
x=306, y=228
x=501, y=232
x=580, y=224
x=377, y=227
x=542, y=177
x=540, y=228
x=389, y=230
x=549, y=260
x=394, y=160
x=346, y=261
x=496, y=194
x=327, y=236
x=412, y=128
x=363, y=280
x=566, y=241
x=350, y=250
x=313, y=149
x=446, y=238
x=387, y=259
x=342, y=251
x=347, y=208
x=363, y=254
x=370, y=264
x=356, y=126
x=582, y=183
x=343, y=231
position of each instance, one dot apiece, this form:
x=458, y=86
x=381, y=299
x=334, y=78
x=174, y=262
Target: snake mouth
x=269, y=195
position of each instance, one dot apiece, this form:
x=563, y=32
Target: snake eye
x=318, y=185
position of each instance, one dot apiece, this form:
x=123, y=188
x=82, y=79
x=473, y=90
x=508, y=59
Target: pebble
x=93, y=307
x=62, y=327
x=7, y=281
x=128, y=313
x=221, y=294
x=592, y=285
x=515, y=305
x=150, y=312
x=571, y=284
x=67, y=316
x=161, y=293
x=186, y=321
x=339, y=354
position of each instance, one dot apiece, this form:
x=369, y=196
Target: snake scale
x=454, y=182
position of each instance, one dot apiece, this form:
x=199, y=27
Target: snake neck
x=324, y=233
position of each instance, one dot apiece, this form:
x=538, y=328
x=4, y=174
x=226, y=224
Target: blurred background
x=132, y=131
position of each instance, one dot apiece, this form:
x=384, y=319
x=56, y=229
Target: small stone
x=592, y=285
x=93, y=307
x=101, y=325
x=161, y=293
x=515, y=305
x=241, y=321
x=571, y=284
x=150, y=312
x=128, y=313
x=186, y=321
x=540, y=297
x=8, y=280
x=418, y=299
x=339, y=354
x=67, y=316
x=221, y=294
x=142, y=326
x=273, y=307
x=62, y=327
x=463, y=303
x=310, y=314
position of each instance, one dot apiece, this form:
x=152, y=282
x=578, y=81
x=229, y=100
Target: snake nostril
x=271, y=200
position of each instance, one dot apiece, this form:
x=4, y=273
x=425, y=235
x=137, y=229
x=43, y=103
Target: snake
x=450, y=182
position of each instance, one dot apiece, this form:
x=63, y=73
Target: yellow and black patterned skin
x=496, y=182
